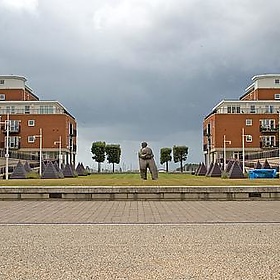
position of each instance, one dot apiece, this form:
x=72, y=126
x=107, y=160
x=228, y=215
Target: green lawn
x=124, y=179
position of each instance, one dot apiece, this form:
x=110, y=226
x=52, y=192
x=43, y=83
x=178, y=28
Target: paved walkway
x=138, y=240
x=146, y=212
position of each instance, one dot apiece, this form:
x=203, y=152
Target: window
x=71, y=129
x=237, y=155
x=268, y=141
x=46, y=109
x=233, y=109
x=276, y=81
x=277, y=96
x=249, y=138
x=269, y=108
x=14, y=142
x=31, y=122
x=10, y=110
x=31, y=139
x=14, y=126
x=253, y=109
x=26, y=109
x=2, y=82
x=249, y=122
x=2, y=96
x=267, y=123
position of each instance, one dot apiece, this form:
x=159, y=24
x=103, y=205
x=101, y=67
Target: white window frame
x=249, y=122
x=14, y=126
x=27, y=109
x=2, y=96
x=276, y=81
x=268, y=123
x=14, y=142
x=47, y=109
x=277, y=96
x=10, y=109
x=253, y=109
x=2, y=82
x=31, y=139
x=269, y=109
x=268, y=141
x=249, y=138
x=237, y=155
x=233, y=109
x=31, y=122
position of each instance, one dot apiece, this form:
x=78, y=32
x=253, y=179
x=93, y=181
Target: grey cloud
x=149, y=70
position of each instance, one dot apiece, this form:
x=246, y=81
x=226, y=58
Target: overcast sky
x=139, y=70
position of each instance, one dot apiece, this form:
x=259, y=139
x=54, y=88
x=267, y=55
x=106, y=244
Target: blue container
x=262, y=173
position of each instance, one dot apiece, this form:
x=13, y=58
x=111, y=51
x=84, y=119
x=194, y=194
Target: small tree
x=98, y=151
x=113, y=153
x=165, y=157
x=180, y=154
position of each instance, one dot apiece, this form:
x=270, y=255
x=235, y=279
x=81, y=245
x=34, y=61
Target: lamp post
x=7, y=127
x=225, y=142
x=243, y=149
x=208, y=149
x=59, y=151
x=279, y=142
x=40, y=135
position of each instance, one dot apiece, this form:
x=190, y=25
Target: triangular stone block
x=215, y=171
x=50, y=172
x=68, y=171
x=58, y=169
x=81, y=171
x=27, y=167
x=198, y=168
x=266, y=165
x=209, y=169
x=202, y=170
x=235, y=171
x=229, y=165
x=258, y=165
x=19, y=172
x=43, y=166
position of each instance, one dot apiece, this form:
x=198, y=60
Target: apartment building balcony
x=269, y=129
x=73, y=133
x=13, y=145
x=268, y=146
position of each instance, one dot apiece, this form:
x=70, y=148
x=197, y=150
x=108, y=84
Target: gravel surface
x=218, y=251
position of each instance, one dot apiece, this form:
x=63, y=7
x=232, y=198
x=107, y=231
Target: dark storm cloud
x=139, y=70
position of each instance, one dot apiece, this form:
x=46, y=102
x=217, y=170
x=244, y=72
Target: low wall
x=141, y=193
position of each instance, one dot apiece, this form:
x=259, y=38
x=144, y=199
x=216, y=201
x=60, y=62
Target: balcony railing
x=269, y=145
x=269, y=129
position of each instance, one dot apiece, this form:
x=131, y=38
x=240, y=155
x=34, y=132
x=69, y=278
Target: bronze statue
x=146, y=160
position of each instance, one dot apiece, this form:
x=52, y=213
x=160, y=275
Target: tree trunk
x=99, y=167
x=181, y=165
x=113, y=167
x=166, y=167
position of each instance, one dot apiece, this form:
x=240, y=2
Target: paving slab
x=139, y=240
x=91, y=212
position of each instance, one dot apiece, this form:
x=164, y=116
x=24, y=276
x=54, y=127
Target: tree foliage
x=165, y=157
x=98, y=151
x=180, y=154
x=113, y=152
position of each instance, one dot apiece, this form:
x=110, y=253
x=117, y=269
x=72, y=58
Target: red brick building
x=244, y=126
x=28, y=116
